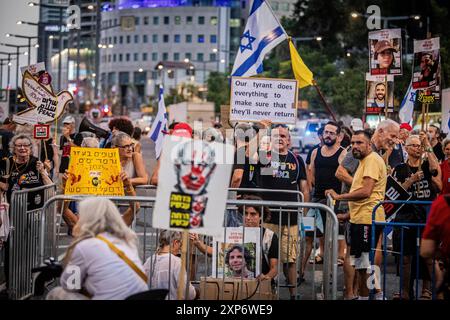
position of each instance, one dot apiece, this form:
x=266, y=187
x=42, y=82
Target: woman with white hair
x=22, y=170
x=103, y=262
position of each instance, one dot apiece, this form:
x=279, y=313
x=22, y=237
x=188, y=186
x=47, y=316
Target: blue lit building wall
x=134, y=4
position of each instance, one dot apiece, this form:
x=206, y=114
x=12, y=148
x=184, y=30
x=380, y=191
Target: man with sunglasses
x=324, y=163
x=422, y=179
x=284, y=171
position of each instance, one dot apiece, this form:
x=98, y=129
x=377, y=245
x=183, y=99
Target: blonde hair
x=98, y=215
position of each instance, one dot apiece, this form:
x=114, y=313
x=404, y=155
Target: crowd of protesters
x=349, y=165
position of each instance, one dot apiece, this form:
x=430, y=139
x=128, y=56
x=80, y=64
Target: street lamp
x=17, y=53
x=8, y=64
x=8, y=35
x=386, y=20
x=60, y=27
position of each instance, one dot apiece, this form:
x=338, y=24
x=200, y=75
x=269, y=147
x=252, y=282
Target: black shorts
x=410, y=240
x=360, y=236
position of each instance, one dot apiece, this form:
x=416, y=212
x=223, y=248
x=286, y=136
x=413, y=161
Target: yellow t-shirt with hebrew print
x=371, y=166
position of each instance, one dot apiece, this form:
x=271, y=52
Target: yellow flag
x=303, y=75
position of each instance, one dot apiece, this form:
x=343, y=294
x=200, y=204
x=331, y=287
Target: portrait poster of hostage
x=235, y=258
x=192, y=188
x=426, y=70
x=377, y=95
x=385, y=47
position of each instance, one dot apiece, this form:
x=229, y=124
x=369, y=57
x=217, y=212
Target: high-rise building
x=146, y=43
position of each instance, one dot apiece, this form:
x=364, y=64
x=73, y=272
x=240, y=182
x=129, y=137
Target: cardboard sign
x=249, y=250
x=45, y=105
x=385, y=47
x=235, y=289
x=94, y=171
x=377, y=94
x=41, y=131
x=426, y=69
x=192, y=188
x=394, y=191
x=256, y=99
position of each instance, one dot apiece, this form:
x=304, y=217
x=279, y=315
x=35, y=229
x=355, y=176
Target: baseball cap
x=406, y=126
x=182, y=129
x=356, y=124
x=382, y=45
x=69, y=119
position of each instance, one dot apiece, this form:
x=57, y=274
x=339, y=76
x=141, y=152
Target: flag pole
x=276, y=18
x=323, y=100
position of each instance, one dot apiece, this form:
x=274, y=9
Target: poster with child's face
x=426, y=69
x=377, y=95
x=236, y=258
x=385, y=48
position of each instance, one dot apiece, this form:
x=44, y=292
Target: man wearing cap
x=404, y=133
x=380, y=96
x=65, y=143
x=180, y=129
x=384, y=54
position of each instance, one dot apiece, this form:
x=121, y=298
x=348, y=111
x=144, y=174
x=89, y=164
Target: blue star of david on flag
x=262, y=33
x=413, y=97
x=248, y=46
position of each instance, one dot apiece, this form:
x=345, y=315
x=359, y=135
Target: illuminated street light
x=90, y=7
x=319, y=38
x=186, y=60
x=141, y=70
x=19, y=22
x=354, y=15
x=110, y=46
x=349, y=54
x=215, y=50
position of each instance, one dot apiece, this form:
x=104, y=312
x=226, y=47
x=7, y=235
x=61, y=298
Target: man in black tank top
x=324, y=163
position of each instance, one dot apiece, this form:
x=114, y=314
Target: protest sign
x=247, y=251
x=376, y=94
x=192, y=188
x=94, y=171
x=256, y=99
x=426, y=69
x=41, y=131
x=394, y=192
x=45, y=105
x=385, y=47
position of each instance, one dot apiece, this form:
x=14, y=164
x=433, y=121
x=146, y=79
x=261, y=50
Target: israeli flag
x=262, y=33
x=159, y=125
x=407, y=106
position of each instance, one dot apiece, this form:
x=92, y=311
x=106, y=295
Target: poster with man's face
x=385, y=47
x=377, y=95
x=192, y=186
x=235, y=258
x=426, y=69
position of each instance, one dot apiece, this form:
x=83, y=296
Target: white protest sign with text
x=256, y=99
x=45, y=106
x=192, y=186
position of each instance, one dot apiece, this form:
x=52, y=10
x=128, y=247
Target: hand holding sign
x=45, y=106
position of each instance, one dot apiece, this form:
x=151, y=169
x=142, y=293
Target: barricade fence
x=27, y=231
x=398, y=259
x=199, y=266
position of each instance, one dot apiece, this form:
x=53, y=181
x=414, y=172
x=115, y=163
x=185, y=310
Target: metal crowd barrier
x=26, y=233
x=401, y=225
x=45, y=230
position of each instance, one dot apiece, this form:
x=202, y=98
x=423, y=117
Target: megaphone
x=87, y=126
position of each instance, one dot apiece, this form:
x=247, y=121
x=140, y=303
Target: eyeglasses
x=22, y=145
x=414, y=145
x=128, y=146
